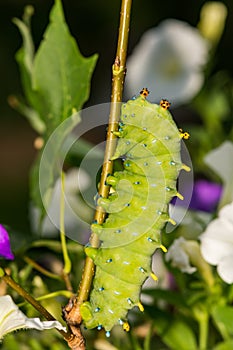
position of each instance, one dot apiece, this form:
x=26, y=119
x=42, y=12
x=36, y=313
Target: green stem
x=41, y=269
x=21, y=291
x=65, y=293
x=66, y=258
x=203, y=333
x=118, y=75
x=202, y=317
x=56, y=246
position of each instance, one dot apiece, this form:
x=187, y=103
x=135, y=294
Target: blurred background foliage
x=94, y=24
x=95, y=27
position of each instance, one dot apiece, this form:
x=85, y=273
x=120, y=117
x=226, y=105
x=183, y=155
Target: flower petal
x=206, y=195
x=225, y=270
x=5, y=249
x=217, y=240
x=11, y=319
x=178, y=256
x=162, y=62
x=212, y=250
x=220, y=160
x=226, y=213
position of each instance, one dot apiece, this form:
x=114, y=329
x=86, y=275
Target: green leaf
x=56, y=82
x=56, y=79
x=228, y=345
x=25, y=57
x=176, y=334
x=61, y=74
x=223, y=317
x=180, y=336
x=28, y=46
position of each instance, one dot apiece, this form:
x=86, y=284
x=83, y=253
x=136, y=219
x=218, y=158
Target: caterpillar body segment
x=137, y=209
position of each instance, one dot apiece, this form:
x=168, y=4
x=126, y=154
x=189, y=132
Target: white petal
x=11, y=319
x=225, y=270
x=220, y=160
x=162, y=62
x=76, y=179
x=36, y=323
x=226, y=213
x=77, y=213
x=217, y=243
x=213, y=251
x=217, y=240
x=178, y=257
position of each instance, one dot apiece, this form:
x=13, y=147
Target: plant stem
x=201, y=315
x=21, y=291
x=41, y=269
x=65, y=293
x=118, y=76
x=67, y=261
x=203, y=332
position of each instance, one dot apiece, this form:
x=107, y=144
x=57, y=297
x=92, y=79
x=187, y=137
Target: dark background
x=94, y=24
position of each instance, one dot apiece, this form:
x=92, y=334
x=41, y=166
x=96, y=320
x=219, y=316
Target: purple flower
x=5, y=248
x=206, y=196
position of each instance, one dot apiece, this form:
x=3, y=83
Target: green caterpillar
x=149, y=146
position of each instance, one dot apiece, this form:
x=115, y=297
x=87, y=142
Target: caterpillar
x=149, y=146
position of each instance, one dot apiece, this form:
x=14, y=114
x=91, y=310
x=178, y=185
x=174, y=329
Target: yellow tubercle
x=184, y=134
x=179, y=195
x=126, y=326
x=155, y=278
x=140, y=306
x=144, y=92
x=165, y=104
x=186, y=167
x=117, y=133
x=164, y=249
x=172, y=221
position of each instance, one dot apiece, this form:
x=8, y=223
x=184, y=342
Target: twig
x=21, y=291
x=71, y=311
x=118, y=75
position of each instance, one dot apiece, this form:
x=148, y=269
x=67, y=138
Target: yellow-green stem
x=65, y=293
x=67, y=261
x=118, y=75
x=201, y=315
x=41, y=269
x=203, y=333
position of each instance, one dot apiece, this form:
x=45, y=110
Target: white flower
x=217, y=243
x=168, y=61
x=220, y=161
x=77, y=212
x=11, y=319
x=178, y=255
